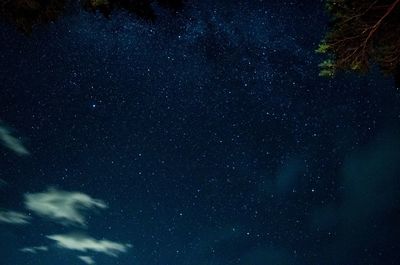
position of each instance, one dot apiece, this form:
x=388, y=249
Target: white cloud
x=34, y=250
x=11, y=142
x=87, y=259
x=62, y=206
x=85, y=243
x=12, y=217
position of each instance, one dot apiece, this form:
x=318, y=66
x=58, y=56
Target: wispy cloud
x=85, y=243
x=34, y=250
x=87, y=259
x=12, y=217
x=62, y=206
x=11, y=142
x=369, y=196
x=2, y=183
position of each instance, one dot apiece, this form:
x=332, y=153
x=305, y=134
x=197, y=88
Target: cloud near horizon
x=34, y=250
x=11, y=142
x=84, y=243
x=87, y=259
x=12, y=217
x=67, y=208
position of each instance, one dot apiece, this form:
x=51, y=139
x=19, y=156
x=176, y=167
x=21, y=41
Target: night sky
x=203, y=138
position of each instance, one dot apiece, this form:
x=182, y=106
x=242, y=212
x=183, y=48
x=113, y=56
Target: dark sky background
x=209, y=135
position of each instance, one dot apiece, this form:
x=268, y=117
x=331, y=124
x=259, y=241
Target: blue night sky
x=204, y=138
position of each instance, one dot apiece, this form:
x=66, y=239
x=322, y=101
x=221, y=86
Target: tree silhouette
x=362, y=32
x=25, y=14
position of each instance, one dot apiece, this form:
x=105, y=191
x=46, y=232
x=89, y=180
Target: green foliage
x=322, y=48
x=327, y=68
x=361, y=33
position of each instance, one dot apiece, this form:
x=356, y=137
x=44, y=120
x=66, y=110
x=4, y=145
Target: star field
x=202, y=138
